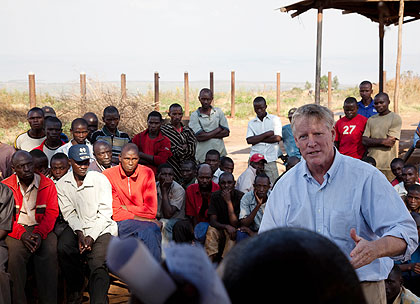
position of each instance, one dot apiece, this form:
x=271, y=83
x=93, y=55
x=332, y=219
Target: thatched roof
x=371, y=9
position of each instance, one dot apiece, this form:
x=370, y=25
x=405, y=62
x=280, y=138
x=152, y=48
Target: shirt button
x=319, y=210
x=319, y=230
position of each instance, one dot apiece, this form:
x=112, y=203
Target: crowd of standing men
x=62, y=199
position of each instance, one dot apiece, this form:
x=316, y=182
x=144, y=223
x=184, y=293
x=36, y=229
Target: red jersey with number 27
x=349, y=135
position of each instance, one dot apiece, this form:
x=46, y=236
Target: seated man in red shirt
x=198, y=200
x=349, y=130
x=134, y=199
x=32, y=236
x=154, y=147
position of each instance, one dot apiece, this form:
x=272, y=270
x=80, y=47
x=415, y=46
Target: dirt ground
x=239, y=150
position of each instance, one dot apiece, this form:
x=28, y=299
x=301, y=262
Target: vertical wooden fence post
x=329, y=90
x=82, y=92
x=278, y=93
x=232, y=94
x=32, y=92
x=156, y=91
x=123, y=87
x=186, y=95
x=212, y=83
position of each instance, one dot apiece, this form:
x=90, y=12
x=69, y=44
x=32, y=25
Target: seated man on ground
x=410, y=176
x=227, y=164
x=53, y=129
x=198, y=200
x=111, y=133
x=223, y=215
x=32, y=237
x=396, y=293
x=102, y=151
x=92, y=121
x=134, y=201
x=412, y=200
x=35, y=135
x=290, y=163
x=85, y=199
x=349, y=130
x=154, y=147
x=246, y=179
x=213, y=160
x=78, y=132
x=59, y=166
x=170, y=200
x=7, y=204
x=253, y=203
x=40, y=162
x=188, y=173
x=411, y=268
x=397, y=165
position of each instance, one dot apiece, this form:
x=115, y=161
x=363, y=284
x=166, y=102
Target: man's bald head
x=23, y=165
x=21, y=154
x=100, y=144
x=204, y=169
x=130, y=147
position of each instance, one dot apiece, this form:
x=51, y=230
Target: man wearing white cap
x=245, y=182
x=85, y=199
x=264, y=134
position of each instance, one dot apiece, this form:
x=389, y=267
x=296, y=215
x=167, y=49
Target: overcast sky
x=57, y=39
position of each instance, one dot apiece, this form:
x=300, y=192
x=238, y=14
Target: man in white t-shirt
x=35, y=135
x=264, y=134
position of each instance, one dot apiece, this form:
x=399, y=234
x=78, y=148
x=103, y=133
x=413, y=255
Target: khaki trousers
x=217, y=241
x=374, y=292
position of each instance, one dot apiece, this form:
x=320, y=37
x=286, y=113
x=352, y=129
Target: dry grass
x=135, y=107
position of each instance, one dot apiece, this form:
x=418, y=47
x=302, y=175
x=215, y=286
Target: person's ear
x=119, y=157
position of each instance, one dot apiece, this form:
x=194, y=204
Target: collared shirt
x=406, y=297
x=178, y=140
x=256, y=127
x=176, y=198
x=416, y=135
x=27, y=213
x=245, y=182
x=354, y=194
x=87, y=208
x=200, y=122
x=248, y=203
x=289, y=142
x=116, y=141
x=194, y=201
x=366, y=111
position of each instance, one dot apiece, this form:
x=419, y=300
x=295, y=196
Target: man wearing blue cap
x=85, y=200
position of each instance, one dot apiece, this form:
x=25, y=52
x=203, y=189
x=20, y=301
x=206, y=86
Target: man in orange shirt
x=134, y=199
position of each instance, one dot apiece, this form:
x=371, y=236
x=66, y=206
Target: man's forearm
x=222, y=134
x=390, y=246
x=203, y=136
x=272, y=139
x=373, y=142
x=256, y=139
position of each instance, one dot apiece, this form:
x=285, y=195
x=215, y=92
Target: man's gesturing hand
x=364, y=252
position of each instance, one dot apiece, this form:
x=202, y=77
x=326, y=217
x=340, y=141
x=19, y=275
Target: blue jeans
x=148, y=232
x=200, y=231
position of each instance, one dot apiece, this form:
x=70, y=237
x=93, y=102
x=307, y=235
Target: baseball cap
x=257, y=157
x=79, y=153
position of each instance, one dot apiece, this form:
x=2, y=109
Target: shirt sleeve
x=194, y=124
x=51, y=210
x=7, y=206
x=277, y=128
x=395, y=129
x=385, y=213
x=367, y=128
x=416, y=135
x=178, y=197
x=245, y=210
x=189, y=209
x=104, y=213
x=249, y=131
x=163, y=152
x=67, y=209
x=222, y=119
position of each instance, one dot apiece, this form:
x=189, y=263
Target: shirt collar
x=212, y=111
x=332, y=171
x=123, y=175
x=108, y=133
x=34, y=184
x=87, y=182
x=267, y=116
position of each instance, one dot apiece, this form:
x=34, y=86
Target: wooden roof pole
x=318, y=57
x=398, y=67
x=381, y=46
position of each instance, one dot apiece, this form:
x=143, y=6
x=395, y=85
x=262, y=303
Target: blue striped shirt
x=354, y=194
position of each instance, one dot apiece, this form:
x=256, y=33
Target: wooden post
x=278, y=93
x=381, y=46
x=384, y=80
x=318, y=57
x=82, y=92
x=398, y=67
x=32, y=92
x=329, y=90
x=186, y=95
x=212, y=82
x=123, y=87
x=156, y=91
x=232, y=94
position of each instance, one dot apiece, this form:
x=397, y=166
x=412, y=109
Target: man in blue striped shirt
x=344, y=199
